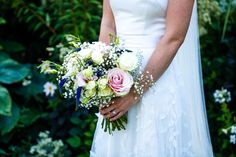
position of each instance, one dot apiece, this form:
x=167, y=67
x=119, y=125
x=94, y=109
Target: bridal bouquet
x=94, y=73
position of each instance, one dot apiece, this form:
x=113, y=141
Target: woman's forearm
x=176, y=29
x=105, y=30
x=161, y=59
x=107, y=24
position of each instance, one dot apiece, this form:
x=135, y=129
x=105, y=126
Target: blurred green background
x=33, y=124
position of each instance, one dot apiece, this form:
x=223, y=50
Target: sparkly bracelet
x=145, y=80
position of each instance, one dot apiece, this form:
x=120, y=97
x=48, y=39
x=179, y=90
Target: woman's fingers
x=111, y=114
x=117, y=116
x=108, y=109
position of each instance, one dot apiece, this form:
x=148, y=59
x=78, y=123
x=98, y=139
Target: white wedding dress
x=170, y=120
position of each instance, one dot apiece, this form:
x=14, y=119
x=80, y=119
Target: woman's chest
x=139, y=7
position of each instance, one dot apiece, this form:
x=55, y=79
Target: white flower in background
x=45, y=68
x=60, y=45
x=222, y=96
x=44, y=134
x=64, y=50
x=128, y=61
x=225, y=131
x=46, y=147
x=233, y=129
x=26, y=82
x=50, y=49
x=49, y=88
x=233, y=139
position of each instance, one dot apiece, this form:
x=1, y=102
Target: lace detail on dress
x=155, y=117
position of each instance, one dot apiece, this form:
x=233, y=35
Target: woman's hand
x=119, y=106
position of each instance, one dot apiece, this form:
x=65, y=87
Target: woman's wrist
x=143, y=83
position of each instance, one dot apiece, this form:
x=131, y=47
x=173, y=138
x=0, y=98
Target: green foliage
x=24, y=109
x=7, y=123
x=12, y=46
x=2, y=21
x=207, y=9
x=12, y=72
x=6, y=102
x=55, y=18
x=219, y=62
x=74, y=141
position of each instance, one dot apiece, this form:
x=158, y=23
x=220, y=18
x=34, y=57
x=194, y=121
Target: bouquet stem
x=111, y=126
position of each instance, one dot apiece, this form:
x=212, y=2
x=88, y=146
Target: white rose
x=97, y=57
x=128, y=61
x=105, y=92
x=90, y=93
x=85, y=53
x=102, y=83
x=91, y=85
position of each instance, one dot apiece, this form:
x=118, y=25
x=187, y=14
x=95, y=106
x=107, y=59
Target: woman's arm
x=107, y=24
x=177, y=22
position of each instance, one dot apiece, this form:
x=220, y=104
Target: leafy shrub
x=26, y=110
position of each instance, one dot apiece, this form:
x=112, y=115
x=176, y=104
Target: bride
x=169, y=120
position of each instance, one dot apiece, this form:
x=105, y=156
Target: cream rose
x=105, y=92
x=102, y=83
x=90, y=85
x=85, y=53
x=97, y=57
x=128, y=61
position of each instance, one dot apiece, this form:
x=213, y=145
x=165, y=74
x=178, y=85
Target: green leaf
x=88, y=142
x=2, y=21
x=33, y=89
x=75, y=120
x=7, y=123
x=11, y=71
x=88, y=134
x=29, y=116
x=74, y=141
x=74, y=131
x=48, y=19
x=37, y=26
x=2, y=152
x=3, y=56
x=5, y=101
x=12, y=46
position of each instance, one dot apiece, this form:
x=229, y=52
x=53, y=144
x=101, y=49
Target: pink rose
x=120, y=81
